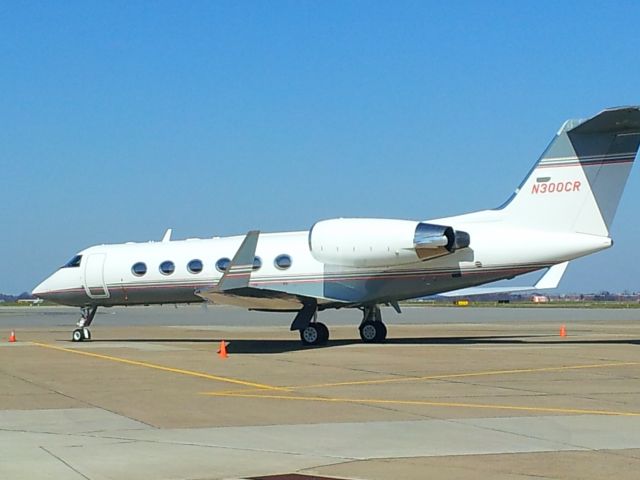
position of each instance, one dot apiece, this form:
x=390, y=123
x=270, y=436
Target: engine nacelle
x=373, y=242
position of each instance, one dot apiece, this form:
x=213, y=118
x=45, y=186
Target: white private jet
x=562, y=210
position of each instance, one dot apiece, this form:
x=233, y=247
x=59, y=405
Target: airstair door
x=94, y=283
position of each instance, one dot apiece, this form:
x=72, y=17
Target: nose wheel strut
x=82, y=333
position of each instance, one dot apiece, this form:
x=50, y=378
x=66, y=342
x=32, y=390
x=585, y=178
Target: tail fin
x=578, y=181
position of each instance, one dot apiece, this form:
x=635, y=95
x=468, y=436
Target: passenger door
x=94, y=283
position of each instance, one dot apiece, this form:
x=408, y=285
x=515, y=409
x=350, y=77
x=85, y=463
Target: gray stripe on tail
x=612, y=136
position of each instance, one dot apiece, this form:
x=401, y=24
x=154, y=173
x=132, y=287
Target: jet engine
x=373, y=242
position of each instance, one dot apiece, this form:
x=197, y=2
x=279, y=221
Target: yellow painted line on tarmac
x=426, y=403
x=465, y=375
x=244, y=390
x=163, y=368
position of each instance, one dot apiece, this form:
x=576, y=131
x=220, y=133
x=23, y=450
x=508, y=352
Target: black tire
x=315, y=334
x=77, y=335
x=383, y=332
x=310, y=335
x=86, y=334
x=373, y=332
x=324, y=333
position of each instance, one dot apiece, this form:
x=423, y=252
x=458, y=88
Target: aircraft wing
x=234, y=289
x=254, y=298
x=550, y=279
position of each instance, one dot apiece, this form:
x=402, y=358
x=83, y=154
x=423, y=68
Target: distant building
x=539, y=299
x=31, y=301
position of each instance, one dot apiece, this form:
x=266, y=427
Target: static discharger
x=12, y=337
x=222, y=353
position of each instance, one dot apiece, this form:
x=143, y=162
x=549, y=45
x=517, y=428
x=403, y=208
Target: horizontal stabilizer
x=618, y=120
x=549, y=280
x=552, y=278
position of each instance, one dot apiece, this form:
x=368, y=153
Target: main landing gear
x=306, y=322
x=82, y=333
x=372, y=329
x=316, y=333
x=313, y=333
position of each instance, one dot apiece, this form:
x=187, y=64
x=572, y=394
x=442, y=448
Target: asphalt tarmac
x=453, y=393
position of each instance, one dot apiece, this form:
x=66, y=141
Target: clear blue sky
x=120, y=119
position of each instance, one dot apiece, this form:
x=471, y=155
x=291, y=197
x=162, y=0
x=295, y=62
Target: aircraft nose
x=41, y=289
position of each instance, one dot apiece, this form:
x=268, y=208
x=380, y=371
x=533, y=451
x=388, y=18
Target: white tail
x=577, y=183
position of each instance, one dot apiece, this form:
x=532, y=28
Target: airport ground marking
x=464, y=375
x=426, y=403
x=293, y=388
x=207, y=376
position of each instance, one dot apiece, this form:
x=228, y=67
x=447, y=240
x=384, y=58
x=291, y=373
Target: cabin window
x=282, y=262
x=223, y=264
x=139, y=269
x=167, y=267
x=194, y=266
x=74, y=262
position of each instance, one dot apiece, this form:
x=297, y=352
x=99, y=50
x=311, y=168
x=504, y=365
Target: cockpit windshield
x=74, y=262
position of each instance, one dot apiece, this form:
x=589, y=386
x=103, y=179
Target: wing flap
x=254, y=298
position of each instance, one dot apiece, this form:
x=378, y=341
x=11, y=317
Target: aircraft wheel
x=383, y=332
x=373, y=332
x=314, y=334
x=77, y=335
x=86, y=334
x=324, y=332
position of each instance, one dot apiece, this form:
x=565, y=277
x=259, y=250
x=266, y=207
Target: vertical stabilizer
x=577, y=183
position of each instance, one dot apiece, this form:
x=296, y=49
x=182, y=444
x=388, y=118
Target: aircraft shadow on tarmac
x=249, y=346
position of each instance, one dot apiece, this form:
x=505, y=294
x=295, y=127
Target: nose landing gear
x=82, y=333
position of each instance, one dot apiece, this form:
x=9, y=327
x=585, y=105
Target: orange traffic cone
x=222, y=353
x=12, y=337
x=563, y=331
